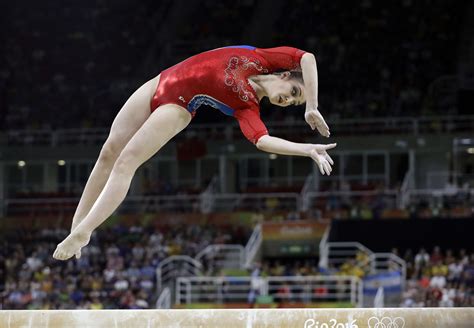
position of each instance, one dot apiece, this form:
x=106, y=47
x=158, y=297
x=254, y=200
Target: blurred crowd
x=382, y=60
x=384, y=206
x=315, y=291
x=436, y=279
x=72, y=65
x=439, y=279
x=117, y=269
x=370, y=202
x=354, y=201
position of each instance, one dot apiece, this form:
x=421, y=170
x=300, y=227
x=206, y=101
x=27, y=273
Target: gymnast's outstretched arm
x=310, y=77
x=284, y=147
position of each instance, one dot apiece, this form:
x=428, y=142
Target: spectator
x=106, y=276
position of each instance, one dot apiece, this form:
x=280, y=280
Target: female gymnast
x=232, y=80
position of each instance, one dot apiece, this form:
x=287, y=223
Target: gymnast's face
x=285, y=90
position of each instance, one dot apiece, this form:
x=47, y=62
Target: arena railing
x=207, y=196
x=407, y=184
x=176, y=266
x=437, y=195
x=164, y=300
x=379, y=298
x=335, y=254
x=310, y=185
x=221, y=131
x=155, y=204
x=222, y=256
x=253, y=245
x=324, y=249
x=134, y=204
x=387, y=262
x=261, y=202
x=255, y=201
x=312, y=199
x=305, y=289
x=338, y=253
x=210, y=260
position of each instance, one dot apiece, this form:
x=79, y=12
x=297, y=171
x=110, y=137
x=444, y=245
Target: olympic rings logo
x=386, y=322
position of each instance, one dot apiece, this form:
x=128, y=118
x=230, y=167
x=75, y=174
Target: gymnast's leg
x=162, y=125
x=129, y=119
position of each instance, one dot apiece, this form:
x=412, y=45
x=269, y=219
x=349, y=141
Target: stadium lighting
x=21, y=163
x=273, y=156
x=470, y=150
x=61, y=162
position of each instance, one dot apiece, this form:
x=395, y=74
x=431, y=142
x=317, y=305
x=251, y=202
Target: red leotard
x=219, y=78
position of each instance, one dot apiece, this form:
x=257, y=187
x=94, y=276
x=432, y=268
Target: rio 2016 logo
x=386, y=322
x=333, y=323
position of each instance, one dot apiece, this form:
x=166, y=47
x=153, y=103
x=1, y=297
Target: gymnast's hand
x=321, y=157
x=315, y=120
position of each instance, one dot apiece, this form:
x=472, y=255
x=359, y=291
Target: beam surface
x=304, y=318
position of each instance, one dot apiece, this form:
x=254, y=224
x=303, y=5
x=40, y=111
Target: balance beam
x=304, y=318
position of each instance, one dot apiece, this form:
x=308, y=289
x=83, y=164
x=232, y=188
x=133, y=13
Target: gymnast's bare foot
x=71, y=245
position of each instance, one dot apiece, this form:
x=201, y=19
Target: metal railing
x=256, y=201
x=436, y=194
x=379, y=298
x=222, y=257
x=221, y=131
x=388, y=262
x=155, y=204
x=212, y=257
x=335, y=254
x=48, y=137
x=339, y=198
x=176, y=266
x=441, y=179
x=164, y=300
x=59, y=207
x=135, y=204
x=253, y=245
x=323, y=249
x=207, y=196
x=311, y=185
x=306, y=289
x=407, y=184
x=460, y=201
x=262, y=202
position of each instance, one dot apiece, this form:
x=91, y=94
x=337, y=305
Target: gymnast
x=231, y=79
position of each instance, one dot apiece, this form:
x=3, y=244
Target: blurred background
x=210, y=221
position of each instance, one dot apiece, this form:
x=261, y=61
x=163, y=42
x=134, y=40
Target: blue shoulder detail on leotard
x=242, y=47
x=199, y=100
